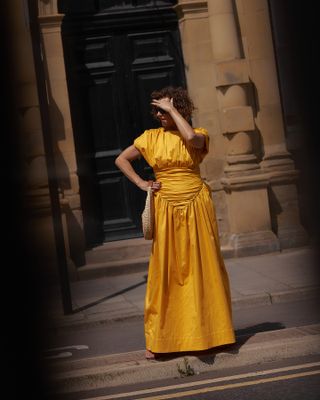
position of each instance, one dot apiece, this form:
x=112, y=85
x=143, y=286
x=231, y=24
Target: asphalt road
x=290, y=379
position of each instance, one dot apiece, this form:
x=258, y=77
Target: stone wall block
x=47, y=7
x=27, y=95
x=191, y=9
x=252, y=6
x=240, y=144
x=30, y=120
x=231, y=72
x=249, y=213
x=286, y=216
x=215, y=164
x=36, y=174
x=232, y=96
x=270, y=122
x=221, y=210
x=198, y=27
x=252, y=243
x=236, y=119
x=32, y=144
x=224, y=47
x=258, y=34
x=220, y=7
x=202, y=54
x=284, y=202
x=264, y=75
x=30, y=130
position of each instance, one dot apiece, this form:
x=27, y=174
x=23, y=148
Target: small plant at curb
x=186, y=369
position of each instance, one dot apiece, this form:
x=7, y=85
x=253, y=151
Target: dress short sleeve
x=204, y=132
x=143, y=144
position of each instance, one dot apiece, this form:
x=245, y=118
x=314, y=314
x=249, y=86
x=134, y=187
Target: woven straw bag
x=147, y=216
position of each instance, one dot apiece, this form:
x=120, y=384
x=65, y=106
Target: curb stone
x=266, y=298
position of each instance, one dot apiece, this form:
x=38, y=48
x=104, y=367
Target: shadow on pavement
x=263, y=327
x=110, y=296
x=242, y=336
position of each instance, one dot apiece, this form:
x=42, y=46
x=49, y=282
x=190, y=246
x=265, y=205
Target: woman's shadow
x=242, y=336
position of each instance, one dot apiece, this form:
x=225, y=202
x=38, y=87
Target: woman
x=187, y=304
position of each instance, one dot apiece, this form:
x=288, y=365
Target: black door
x=116, y=55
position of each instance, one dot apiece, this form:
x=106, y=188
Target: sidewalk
x=291, y=275
x=258, y=280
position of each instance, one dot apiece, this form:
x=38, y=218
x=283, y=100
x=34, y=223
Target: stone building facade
x=231, y=72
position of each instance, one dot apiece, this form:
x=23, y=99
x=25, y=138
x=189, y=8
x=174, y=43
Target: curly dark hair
x=181, y=100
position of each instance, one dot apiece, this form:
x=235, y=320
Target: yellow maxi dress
x=187, y=303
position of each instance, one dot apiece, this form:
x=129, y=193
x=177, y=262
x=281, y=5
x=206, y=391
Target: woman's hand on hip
x=155, y=185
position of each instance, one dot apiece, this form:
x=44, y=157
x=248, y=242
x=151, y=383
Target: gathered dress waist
x=179, y=185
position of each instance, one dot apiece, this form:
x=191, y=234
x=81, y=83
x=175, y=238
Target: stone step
x=116, y=267
x=121, y=257
x=119, y=250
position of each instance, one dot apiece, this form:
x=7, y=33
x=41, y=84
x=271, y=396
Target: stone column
x=61, y=127
x=276, y=161
x=38, y=228
x=197, y=54
x=198, y=60
x=245, y=184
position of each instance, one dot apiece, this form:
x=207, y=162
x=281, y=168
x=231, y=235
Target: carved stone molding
x=47, y=7
x=187, y=9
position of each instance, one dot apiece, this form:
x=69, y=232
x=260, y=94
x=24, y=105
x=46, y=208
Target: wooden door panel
x=118, y=200
x=150, y=47
x=118, y=214
x=105, y=129
x=127, y=4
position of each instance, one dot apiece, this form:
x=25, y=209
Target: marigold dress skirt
x=187, y=302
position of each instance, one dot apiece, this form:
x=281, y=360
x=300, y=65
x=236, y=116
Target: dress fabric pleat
x=187, y=302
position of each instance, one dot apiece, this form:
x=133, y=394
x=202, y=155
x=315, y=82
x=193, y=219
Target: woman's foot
x=150, y=355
